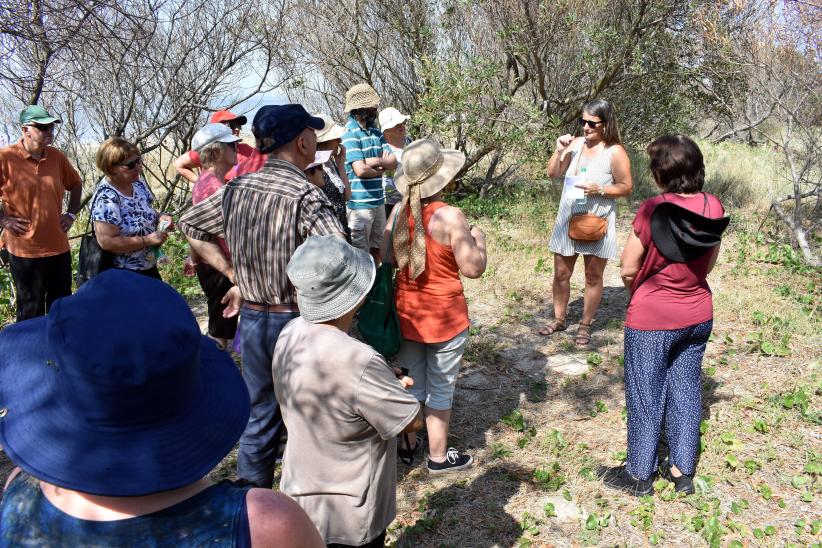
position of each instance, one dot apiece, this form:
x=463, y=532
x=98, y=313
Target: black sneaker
x=407, y=454
x=682, y=484
x=454, y=460
x=617, y=477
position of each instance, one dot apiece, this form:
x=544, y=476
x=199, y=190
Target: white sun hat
x=391, y=117
x=212, y=133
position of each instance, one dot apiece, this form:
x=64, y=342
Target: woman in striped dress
x=600, y=159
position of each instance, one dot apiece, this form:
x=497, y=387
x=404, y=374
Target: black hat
x=682, y=235
x=282, y=123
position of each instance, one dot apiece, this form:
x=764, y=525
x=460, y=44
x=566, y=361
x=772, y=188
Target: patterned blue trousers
x=662, y=382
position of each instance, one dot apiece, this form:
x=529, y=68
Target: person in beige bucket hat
x=433, y=244
x=367, y=158
x=343, y=404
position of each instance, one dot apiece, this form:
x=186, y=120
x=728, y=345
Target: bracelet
x=602, y=190
x=72, y=215
x=143, y=239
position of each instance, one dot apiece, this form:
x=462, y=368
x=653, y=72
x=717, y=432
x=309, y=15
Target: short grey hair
x=210, y=153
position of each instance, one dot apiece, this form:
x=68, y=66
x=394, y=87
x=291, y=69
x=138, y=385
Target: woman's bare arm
x=109, y=238
x=631, y=261
x=621, y=171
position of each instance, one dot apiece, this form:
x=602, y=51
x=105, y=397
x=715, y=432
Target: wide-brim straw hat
x=116, y=393
x=331, y=277
x=330, y=131
x=425, y=163
x=361, y=96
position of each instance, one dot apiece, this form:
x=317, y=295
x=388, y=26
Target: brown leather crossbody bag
x=586, y=227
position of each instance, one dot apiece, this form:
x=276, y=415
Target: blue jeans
x=662, y=383
x=259, y=442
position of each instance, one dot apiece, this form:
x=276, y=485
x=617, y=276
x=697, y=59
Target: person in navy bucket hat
x=120, y=407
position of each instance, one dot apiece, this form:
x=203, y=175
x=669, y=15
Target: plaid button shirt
x=263, y=216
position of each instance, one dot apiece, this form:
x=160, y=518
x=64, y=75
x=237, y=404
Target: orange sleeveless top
x=432, y=308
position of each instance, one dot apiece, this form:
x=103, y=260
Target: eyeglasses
x=134, y=163
x=589, y=123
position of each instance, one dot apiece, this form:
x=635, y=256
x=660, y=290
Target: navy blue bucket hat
x=115, y=392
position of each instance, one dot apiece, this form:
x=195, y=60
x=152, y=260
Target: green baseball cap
x=35, y=114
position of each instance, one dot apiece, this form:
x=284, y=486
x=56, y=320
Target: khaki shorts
x=434, y=368
x=367, y=226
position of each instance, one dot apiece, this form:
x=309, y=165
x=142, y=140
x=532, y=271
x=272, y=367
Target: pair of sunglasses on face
x=589, y=123
x=134, y=163
x=44, y=128
x=233, y=124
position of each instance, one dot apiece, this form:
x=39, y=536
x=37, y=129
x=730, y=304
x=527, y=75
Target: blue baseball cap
x=282, y=123
x=115, y=392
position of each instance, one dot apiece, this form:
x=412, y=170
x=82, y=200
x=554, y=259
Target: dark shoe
x=407, y=454
x=617, y=477
x=682, y=484
x=454, y=460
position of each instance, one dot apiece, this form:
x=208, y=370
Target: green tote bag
x=378, y=322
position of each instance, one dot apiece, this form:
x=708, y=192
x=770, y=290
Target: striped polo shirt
x=360, y=144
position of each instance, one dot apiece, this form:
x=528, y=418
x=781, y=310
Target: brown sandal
x=583, y=336
x=557, y=325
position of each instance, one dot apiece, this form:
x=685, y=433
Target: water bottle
x=582, y=201
x=157, y=251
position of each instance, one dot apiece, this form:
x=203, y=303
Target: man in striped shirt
x=263, y=217
x=367, y=157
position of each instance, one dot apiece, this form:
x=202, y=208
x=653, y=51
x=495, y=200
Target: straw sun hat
x=361, y=96
x=426, y=169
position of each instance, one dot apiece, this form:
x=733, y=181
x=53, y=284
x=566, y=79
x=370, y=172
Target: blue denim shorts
x=434, y=368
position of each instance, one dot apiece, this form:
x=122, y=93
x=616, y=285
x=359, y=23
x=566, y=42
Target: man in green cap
x=34, y=178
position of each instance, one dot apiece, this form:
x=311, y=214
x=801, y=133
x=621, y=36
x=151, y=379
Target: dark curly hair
x=677, y=164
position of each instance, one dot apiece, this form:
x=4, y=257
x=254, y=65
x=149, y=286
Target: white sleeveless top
x=598, y=171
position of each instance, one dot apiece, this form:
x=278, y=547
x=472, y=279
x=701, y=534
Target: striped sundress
x=598, y=171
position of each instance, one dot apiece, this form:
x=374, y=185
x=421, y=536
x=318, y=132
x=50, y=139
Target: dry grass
x=753, y=441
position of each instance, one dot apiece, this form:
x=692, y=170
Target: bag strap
x=94, y=198
x=390, y=254
x=577, y=159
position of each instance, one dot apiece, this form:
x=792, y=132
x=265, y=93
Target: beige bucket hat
x=330, y=130
x=426, y=169
x=361, y=96
x=331, y=277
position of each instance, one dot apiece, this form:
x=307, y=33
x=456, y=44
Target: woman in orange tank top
x=433, y=244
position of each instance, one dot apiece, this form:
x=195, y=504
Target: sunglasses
x=312, y=170
x=134, y=163
x=233, y=124
x=44, y=128
x=589, y=123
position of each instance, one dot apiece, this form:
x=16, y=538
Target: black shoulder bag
x=93, y=259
